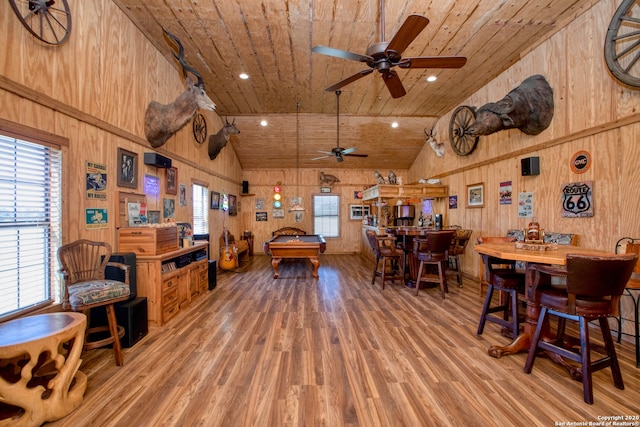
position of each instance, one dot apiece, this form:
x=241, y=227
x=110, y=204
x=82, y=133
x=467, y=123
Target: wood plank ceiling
x=271, y=41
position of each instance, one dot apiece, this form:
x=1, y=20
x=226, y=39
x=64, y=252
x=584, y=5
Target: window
x=30, y=225
x=200, y=209
x=326, y=215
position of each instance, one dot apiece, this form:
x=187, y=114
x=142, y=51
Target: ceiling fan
x=339, y=152
x=383, y=56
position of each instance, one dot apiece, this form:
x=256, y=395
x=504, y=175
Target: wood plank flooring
x=336, y=351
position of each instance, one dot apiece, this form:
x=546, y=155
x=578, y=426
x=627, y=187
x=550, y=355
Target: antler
x=183, y=63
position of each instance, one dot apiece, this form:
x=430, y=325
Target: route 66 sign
x=577, y=199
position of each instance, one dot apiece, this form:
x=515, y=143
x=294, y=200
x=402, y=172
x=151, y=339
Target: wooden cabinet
x=170, y=281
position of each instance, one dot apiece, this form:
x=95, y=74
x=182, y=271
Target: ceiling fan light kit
x=383, y=56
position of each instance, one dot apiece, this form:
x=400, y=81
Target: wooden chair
x=631, y=245
x=500, y=275
x=384, y=248
x=458, y=245
x=83, y=269
x=594, y=285
x=433, y=250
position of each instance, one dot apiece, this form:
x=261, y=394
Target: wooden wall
x=94, y=91
x=593, y=112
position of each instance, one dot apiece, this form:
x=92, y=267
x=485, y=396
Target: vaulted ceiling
x=271, y=41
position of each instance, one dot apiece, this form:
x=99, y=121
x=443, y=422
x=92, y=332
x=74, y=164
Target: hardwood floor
x=335, y=351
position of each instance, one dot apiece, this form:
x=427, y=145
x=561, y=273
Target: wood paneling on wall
x=593, y=112
x=94, y=90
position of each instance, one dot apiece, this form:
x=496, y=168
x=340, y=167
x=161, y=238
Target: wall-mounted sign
x=96, y=218
x=577, y=199
x=581, y=162
x=325, y=189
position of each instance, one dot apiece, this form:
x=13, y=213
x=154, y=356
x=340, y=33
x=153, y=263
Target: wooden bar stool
x=83, y=269
x=433, y=250
x=594, y=285
x=384, y=248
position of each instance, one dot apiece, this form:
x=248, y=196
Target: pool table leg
x=274, y=263
x=316, y=263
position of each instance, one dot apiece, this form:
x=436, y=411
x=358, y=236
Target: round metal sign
x=581, y=162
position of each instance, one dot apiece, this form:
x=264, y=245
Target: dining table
x=550, y=254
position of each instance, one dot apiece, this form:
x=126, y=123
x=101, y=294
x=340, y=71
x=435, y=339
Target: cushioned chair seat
x=91, y=292
x=594, y=307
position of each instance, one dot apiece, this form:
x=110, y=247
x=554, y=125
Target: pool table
x=303, y=246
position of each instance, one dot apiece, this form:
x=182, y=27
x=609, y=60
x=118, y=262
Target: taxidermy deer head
x=218, y=141
x=161, y=121
x=430, y=138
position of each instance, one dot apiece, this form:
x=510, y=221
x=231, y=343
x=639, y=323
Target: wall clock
x=49, y=21
x=199, y=128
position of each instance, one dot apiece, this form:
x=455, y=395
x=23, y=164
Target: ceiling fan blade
x=321, y=157
x=348, y=150
x=339, y=53
x=394, y=84
x=356, y=155
x=329, y=153
x=433, y=62
x=348, y=80
x=409, y=30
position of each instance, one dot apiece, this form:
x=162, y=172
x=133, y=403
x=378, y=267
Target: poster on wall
x=261, y=216
x=183, y=194
x=505, y=193
x=278, y=213
x=96, y=218
x=168, y=208
x=525, y=204
x=260, y=203
x=297, y=217
x=96, y=181
x=577, y=199
x=453, y=202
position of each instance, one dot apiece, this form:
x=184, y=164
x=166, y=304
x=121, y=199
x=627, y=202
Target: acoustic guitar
x=228, y=258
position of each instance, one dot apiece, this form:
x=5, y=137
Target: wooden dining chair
x=594, y=285
x=631, y=245
x=500, y=275
x=83, y=269
x=459, y=243
x=433, y=250
x=385, y=249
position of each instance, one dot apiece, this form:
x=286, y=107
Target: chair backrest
x=84, y=260
x=631, y=246
x=459, y=242
x=599, y=276
x=549, y=237
x=371, y=237
x=434, y=242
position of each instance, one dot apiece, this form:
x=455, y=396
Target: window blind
x=30, y=225
x=326, y=215
x=200, y=209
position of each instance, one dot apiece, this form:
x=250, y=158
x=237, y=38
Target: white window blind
x=326, y=215
x=200, y=209
x=30, y=225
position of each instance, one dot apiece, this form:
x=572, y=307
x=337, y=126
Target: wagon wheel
x=622, y=43
x=461, y=141
x=49, y=21
x=199, y=128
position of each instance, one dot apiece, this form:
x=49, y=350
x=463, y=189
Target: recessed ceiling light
x=244, y=76
x=263, y=123
x=432, y=78
x=394, y=124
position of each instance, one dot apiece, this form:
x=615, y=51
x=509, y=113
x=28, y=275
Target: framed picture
x=261, y=216
x=358, y=212
x=127, y=169
x=154, y=217
x=183, y=195
x=475, y=195
x=233, y=205
x=172, y=181
x=215, y=200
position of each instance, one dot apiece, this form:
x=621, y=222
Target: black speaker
x=155, y=159
x=530, y=166
x=115, y=273
x=131, y=315
x=245, y=187
x=212, y=274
